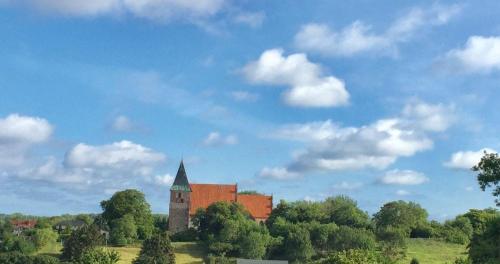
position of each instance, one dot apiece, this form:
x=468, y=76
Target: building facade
x=186, y=199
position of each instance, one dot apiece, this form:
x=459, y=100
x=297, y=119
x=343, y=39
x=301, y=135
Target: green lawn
x=185, y=252
x=429, y=251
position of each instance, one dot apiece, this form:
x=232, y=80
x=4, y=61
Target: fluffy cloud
x=164, y=180
x=215, y=139
x=278, y=173
x=480, y=54
x=403, y=177
x=358, y=37
x=466, y=159
x=309, y=87
x=331, y=147
x=347, y=186
x=158, y=10
x=403, y=193
x=18, y=134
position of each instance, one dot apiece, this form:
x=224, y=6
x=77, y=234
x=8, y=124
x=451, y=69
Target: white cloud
x=358, y=37
x=308, y=86
x=278, y=173
x=118, y=155
x=122, y=124
x=403, y=177
x=244, y=96
x=164, y=180
x=252, y=19
x=215, y=139
x=331, y=147
x=158, y=10
x=466, y=159
x=480, y=54
x=18, y=134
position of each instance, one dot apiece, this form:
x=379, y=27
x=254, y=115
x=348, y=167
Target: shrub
x=414, y=261
x=485, y=247
x=353, y=256
x=346, y=238
x=81, y=240
x=156, y=250
x=99, y=256
x=220, y=260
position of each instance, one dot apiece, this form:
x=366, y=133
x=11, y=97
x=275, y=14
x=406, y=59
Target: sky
x=297, y=99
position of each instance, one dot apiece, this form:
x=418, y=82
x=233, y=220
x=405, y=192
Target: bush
x=414, y=261
x=99, y=256
x=156, y=250
x=485, y=248
x=346, y=238
x=42, y=259
x=44, y=236
x=123, y=231
x=353, y=256
x=220, y=260
x=81, y=240
x=22, y=245
x=19, y=258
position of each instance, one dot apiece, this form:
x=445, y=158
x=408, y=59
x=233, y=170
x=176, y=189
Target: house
x=70, y=224
x=186, y=199
x=19, y=226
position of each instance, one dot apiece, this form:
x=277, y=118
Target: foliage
x=156, y=250
x=80, y=241
x=353, y=256
x=488, y=170
x=123, y=230
x=346, y=238
x=462, y=261
x=392, y=242
x=220, y=260
x=133, y=203
x=401, y=215
x=485, y=247
x=342, y=210
x=188, y=235
x=19, y=258
x=414, y=261
x=249, y=192
x=480, y=218
x=23, y=245
x=226, y=227
x=44, y=236
x=99, y=256
x=160, y=222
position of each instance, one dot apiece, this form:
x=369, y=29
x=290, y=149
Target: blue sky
x=299, y=99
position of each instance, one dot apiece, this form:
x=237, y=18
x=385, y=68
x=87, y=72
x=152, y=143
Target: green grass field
x=185, y=252
x=429, y=251
x=425, y=250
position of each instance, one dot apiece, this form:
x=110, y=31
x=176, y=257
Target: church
x=186, y=198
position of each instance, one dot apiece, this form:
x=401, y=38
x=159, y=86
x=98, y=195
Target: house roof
x=23, y=223
x=203, y=195
x=259, y=206
x=181, y=182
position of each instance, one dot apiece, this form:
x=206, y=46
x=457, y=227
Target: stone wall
x=179, y=211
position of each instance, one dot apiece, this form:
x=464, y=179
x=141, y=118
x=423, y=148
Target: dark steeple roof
x=181, y=182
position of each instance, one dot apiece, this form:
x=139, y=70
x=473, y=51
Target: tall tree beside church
x=488, y=170
x=133, y=203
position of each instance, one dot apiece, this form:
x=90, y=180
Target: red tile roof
x=203, y=195
x=259, y=206
x=23, y=223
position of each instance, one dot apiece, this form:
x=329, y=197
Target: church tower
x=179, y=202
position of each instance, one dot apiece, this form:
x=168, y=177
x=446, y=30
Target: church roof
x=259, y=206
x=181, y=182
x=203, y=195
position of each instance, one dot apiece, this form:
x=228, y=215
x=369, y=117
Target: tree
x=344, y=211
x=44, y=236
x=353, y=256
x=123, y=231
x=81, y=240
x=156, y=250
x=130, y=202
x=352, y=238
x=401, y=215
x=488, y=170
x=484, y=248
x=297, y=244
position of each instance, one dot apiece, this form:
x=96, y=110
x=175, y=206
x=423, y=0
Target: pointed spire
x=181, y=182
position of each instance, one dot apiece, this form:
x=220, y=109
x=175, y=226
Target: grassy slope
x=185, y=252
x=433, y=252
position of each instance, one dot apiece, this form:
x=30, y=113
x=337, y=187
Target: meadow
x=427, y=251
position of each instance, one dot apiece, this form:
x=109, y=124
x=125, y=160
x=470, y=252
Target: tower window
x=179, y=195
